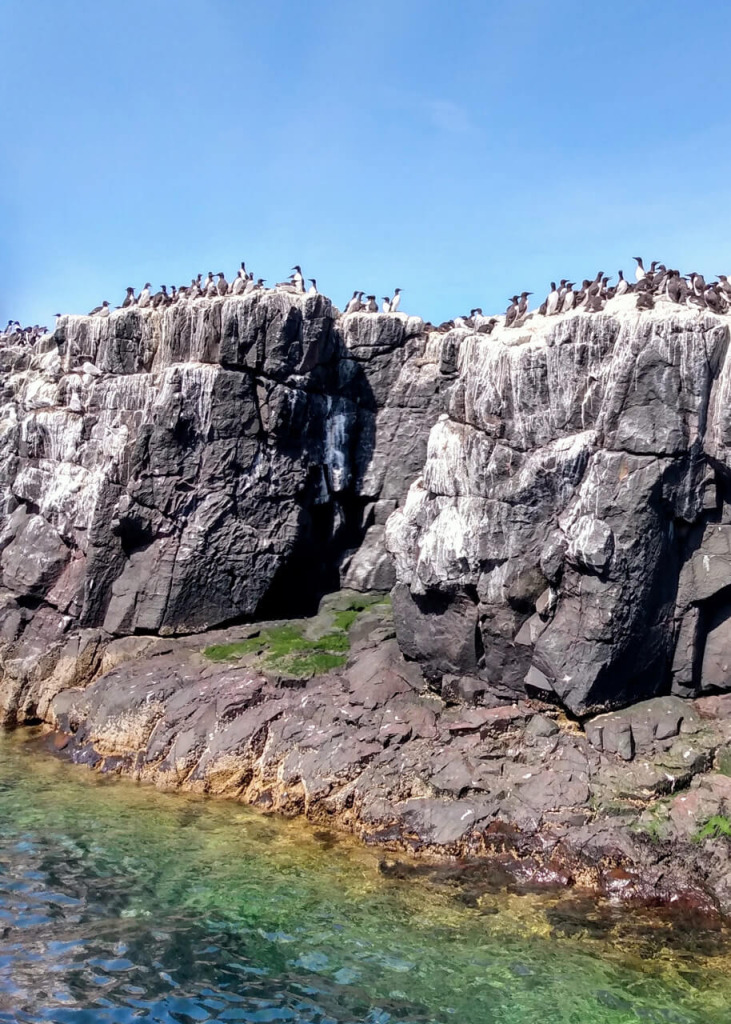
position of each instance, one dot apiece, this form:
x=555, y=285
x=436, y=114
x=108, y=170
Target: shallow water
x=118, y=903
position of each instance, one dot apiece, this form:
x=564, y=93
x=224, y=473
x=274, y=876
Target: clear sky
x=461, y=150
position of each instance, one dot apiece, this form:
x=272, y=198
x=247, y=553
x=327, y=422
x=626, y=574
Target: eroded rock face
x=167, y=471
x=573, y=511
x=555, y=498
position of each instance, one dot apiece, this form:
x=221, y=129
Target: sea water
x=122, y=904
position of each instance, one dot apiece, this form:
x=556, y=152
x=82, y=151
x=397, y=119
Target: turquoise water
x=118, y=903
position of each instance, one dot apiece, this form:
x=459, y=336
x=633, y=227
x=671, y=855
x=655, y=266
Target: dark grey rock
x=580, y=452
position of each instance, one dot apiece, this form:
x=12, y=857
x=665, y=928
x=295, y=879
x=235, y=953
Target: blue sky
x=462, y=151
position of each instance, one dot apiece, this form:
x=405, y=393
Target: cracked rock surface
x=619, y=807
x=569, y=533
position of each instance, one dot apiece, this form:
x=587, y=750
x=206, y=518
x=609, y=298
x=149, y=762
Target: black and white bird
x=102, y=310
x=145, y=296
x=511, y=313
x=569, y=299
x=396, y=300
x=354, y=305
x=160, y=298
x=298, y=280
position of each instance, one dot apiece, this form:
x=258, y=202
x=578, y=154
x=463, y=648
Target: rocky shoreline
x=619, y=807
x=548, y=507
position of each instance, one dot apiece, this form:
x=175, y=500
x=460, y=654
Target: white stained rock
x=591, y=544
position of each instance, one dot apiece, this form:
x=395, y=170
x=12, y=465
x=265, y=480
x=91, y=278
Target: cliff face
x=556, y=498
x=571, y=531
x=167, y=471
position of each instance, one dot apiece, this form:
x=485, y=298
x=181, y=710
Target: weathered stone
x=577, y=451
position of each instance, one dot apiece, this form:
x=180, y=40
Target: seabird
x=395, y=301
x=639, y=269
x=725, y=286
x=523, y=304
x=552, y=300
x=129, y=299
x=160, y=298
x=622, y=285
x=676, y=287
x=298, y=280
x=372, y=306
x=355, y=304
x=313, y=286
x=209, y=287
x=569, y=299
x=240, y=283
x=697, y=283
x=386, y=304
x=102, y=310
x=713, y=299
x=511, y=313
x=222, y=284
x=144, y=297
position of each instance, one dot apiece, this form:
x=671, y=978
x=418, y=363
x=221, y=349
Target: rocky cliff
x=167, y=471
x=557, y=495
x=570, y=534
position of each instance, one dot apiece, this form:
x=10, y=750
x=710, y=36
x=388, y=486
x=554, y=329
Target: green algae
x=286, y=649
x=345, y=617
x=717, y=827
x=304, y=647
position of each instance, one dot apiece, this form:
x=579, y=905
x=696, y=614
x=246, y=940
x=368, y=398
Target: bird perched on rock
x=313, y=286
x=569, y=299
x=511, y=313
x=298, y=280
x=622, y=286
x=222, y=284
x=371, y=305
x=145, y=296
x=396, y=300
x=102, y=310
x=552, y=300
x=386, y=304
x=129, y=299
x=160, y=298
x=713, y=299
x=354, y=305
x=639, y=269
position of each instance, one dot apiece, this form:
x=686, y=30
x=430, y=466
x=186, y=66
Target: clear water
x=118, y=903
